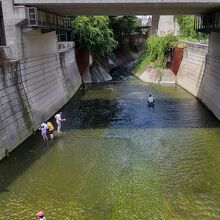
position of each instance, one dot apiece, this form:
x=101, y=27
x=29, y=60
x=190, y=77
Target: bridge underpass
x=208, y=21
x=123, y=7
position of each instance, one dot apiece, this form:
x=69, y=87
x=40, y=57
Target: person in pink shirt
x=40, y=215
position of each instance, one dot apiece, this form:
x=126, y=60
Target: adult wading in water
x=59, y=120
x=151, y=100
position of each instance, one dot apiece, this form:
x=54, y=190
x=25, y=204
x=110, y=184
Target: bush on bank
x=156, y=51
x=187, y=29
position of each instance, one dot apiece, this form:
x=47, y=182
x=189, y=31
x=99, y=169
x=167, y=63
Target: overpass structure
x=123, y=7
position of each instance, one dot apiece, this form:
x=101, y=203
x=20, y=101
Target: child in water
x=51, y=129
x=40, y=215
x=43, y=128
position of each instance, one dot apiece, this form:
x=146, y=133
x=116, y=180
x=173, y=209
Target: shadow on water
x=134, y=112
x=21, y=159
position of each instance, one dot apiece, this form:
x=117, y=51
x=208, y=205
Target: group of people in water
x=47, y=128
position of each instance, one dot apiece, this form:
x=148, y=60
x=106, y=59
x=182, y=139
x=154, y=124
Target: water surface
x=118, y=159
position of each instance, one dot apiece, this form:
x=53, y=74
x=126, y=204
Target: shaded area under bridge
x=123, y=7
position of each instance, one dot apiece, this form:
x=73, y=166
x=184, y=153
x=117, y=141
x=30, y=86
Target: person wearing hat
x=59, y=120
x=40, y=215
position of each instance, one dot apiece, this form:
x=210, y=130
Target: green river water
x=118, y=159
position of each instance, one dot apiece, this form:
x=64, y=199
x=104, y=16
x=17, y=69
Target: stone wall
x=31, y=91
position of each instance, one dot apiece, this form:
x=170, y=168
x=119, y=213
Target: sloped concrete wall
x=199, y=72
x=192, y=67
x=45, y=86
x=69, y=66
x=31, y=91
x=209, y=92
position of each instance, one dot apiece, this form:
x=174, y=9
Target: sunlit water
x=118, y=159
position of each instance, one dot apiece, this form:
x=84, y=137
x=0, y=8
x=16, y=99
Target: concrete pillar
x=12, y=32
x=167, y=25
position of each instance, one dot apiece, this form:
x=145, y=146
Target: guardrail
x=47, y=20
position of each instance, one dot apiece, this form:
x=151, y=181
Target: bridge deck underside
x=140, y=8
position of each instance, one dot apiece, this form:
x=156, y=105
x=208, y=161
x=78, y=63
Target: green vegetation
x=123, y=24
x=100, y=33
x=93, y=32
x=187, y=30
x=156, y=51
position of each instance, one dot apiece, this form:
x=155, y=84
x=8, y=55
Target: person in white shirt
x=40, y=215
x=44, y=128
x=151, y=100
x=44, y=125
x=59, y=120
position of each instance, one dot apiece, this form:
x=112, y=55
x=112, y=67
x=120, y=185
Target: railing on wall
x=208, y=22
x=47, y=20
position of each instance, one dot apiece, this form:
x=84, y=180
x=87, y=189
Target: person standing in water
x=50, y=129
x=43, y=128
x=59, y=120
x=40, y=215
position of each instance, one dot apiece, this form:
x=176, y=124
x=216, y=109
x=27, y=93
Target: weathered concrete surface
x=70, y=71
x=31, y=91
x=123, y=7
x=15, y=116
x=12, y=32
x=199, y=73
x=167, y=25
x=154, y=76
x=192, y=67
x=36, y=44
x=210, y=84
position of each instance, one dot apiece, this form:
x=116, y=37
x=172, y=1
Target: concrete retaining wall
x=192, y=67
x=15, y=117
x=210, y=85
x=199, y=73
x=69, y=66
x=31, y=91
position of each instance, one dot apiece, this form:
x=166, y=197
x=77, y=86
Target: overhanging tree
x=93, y=32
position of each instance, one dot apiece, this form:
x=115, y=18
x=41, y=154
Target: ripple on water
x=119, y=159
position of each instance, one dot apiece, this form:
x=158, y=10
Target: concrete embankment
x=151, y=75
x=31, y=91
x=192, y=67
x=199, y=74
